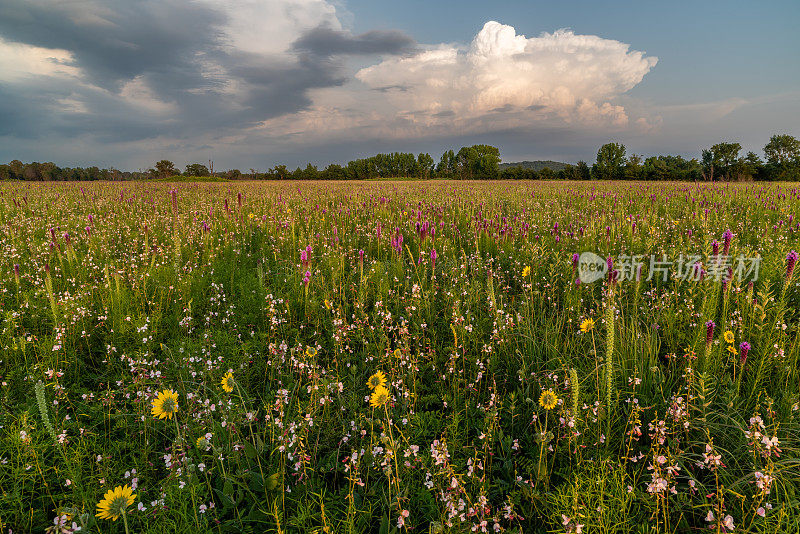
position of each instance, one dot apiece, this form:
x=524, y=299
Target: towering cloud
x=572, y=76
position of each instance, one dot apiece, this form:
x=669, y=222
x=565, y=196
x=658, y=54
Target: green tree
x=478, y=161
x=634, y=170
x=333, y=172
x=279, y=172
x=547, y=174
x=16, y=167
x=165, y=168
x=583, y=171
x=488, y=163
x=783, y=156
x=722, y=158
x=425, y=165
x=466, y=161
x=447, y=164
x=309, y=173
x=610, y=162
x=570, y=172
x=196, y=169
x=752, y=166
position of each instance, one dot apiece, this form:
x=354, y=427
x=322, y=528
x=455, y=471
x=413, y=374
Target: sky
x=255, y=83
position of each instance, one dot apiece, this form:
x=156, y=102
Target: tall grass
x=303, y=291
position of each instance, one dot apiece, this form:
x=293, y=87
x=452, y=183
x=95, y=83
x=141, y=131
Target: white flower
x=728, y=522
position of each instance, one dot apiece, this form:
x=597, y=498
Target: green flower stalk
x=609, y=364
x=42, y=404
x=48, y=284
x=576, y=390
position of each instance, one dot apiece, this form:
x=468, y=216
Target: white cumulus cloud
x=573, y=76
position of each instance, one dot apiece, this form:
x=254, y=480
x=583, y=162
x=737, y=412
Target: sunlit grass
x=389, y=356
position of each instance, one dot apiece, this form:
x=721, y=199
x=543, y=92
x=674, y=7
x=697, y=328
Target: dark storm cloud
x=38, y=107
x=275, y=87
x=20, y=116
x=176, y=50
x=118, y=40
x=387, y=88
x=504, y=109
x=324, y=41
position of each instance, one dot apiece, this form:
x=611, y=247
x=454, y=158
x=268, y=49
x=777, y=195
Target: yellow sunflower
x=228, y=382
x=526, y=271
x=311, y=352
x=378, y=380
x=548, y=399
x=115, y=502
x=397, y=353
x=732, y=350
x=728, y=335
x=379, y=397
x=165, y=405
x=203, y=443
x=587, y=325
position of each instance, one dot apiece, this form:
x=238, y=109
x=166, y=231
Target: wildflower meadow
x=390, y=357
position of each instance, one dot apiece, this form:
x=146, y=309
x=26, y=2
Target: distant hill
x=537, y=165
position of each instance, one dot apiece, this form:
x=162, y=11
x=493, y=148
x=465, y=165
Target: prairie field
x=436, y=356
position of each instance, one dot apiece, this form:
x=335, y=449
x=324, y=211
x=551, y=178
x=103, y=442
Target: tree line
x=722, y=161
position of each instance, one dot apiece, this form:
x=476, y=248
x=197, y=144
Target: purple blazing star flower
x=726, y=280
x=433, y=257
x=726, y=239
x=791, y=261
x=612, y=274
x=744, y=348
x=715, y=247
x=710, y=325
